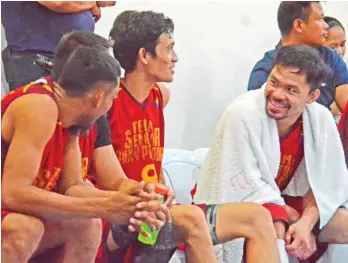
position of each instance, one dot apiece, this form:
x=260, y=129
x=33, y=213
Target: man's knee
x=189, y=218
x=21, y=233
x=262, y=218
x=259, y=221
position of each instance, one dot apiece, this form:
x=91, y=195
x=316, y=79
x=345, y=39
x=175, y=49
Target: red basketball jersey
x=52, y=157
x=137, y=134
x=87, y=151
x=292, y=152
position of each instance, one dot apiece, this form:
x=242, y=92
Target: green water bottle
x=151, y=240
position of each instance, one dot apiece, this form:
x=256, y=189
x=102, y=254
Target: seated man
x=283, y=150
x=144, y=45
x=39, y=205
x=302, y=22
x=99, y=158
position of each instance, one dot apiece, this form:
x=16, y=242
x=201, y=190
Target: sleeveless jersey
x=292, y=152
x=137, y=134
x=52, y=157
x=87, y=150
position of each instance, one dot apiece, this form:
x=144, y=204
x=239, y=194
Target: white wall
x=218, y=43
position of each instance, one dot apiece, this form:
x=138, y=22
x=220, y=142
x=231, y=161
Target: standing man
x=302, y=22
x=35, y=27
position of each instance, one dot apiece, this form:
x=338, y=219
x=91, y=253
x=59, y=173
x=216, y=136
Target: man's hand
x=150, y=188
x=96, y=12
x=151, y=212
x=106, y=3
x=300, y=241
x=293, y=215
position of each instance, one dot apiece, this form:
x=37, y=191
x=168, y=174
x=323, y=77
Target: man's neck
x=138, y=85
x=287, y=41
x=286, y=125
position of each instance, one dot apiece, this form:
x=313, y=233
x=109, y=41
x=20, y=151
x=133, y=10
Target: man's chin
x=275, y=116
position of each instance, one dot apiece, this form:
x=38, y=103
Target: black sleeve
x=103, y=133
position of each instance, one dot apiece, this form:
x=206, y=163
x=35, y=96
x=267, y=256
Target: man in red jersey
x=40, y=126
x=144, y=45
x=283, y=150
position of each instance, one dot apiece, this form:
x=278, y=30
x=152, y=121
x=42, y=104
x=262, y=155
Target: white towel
x=244, y=158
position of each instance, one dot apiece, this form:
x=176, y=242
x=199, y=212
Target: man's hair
x=133, y=30
x=289, y=11
x=70, y=43
x=306, y=60
x=85, y=68
x=332, y=22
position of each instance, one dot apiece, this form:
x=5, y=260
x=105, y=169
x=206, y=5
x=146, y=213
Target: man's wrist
x=310, y=217
x=97, y=206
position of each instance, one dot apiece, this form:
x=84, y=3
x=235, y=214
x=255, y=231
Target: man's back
x=30, y=26
x=337, y=73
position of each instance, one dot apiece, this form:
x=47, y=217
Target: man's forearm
x=310, y=213
x=68, y=6
x=87, y=190
x=51, y=206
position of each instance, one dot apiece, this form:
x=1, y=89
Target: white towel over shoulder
x=244, y=158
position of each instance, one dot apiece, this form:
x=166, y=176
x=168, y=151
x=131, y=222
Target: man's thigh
x=336, y=230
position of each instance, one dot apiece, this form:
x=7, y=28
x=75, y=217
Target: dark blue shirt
x=337, y=74
x=30, y=26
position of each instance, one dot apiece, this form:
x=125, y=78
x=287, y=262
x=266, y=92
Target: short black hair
x=71, y=42
x=85, y=68
x=332, y=22
x=133, y=30
x=308, y=62
x=289, y=11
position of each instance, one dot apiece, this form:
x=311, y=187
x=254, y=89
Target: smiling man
x=276, y=152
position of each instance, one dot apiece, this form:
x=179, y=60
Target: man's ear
x=298, y=26
x=143, y=56
x=313, y=96
x=98, y=99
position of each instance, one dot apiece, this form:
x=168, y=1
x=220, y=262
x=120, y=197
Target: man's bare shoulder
x=35, y=113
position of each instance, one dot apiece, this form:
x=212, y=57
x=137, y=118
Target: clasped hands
x=149, y=209
x=299, y=239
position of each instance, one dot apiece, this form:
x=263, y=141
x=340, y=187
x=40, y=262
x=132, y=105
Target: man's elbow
x=9, y=198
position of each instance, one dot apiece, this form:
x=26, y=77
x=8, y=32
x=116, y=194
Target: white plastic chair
x=180, y=172
x=182, y=168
